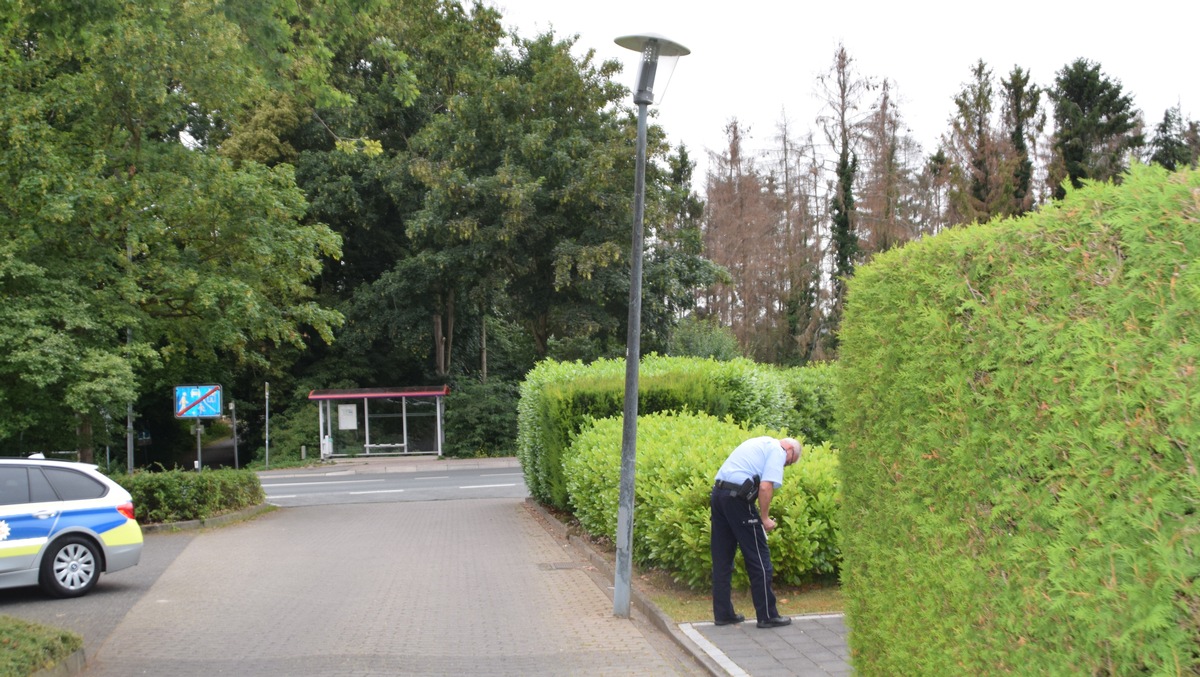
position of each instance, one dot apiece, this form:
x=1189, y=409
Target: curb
x=71, y=665
x=219, y=520
x=656, y=616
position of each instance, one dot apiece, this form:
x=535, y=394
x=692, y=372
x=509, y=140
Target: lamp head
x=653, y=47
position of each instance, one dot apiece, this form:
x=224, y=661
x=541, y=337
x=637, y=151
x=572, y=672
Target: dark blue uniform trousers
x=736, y=524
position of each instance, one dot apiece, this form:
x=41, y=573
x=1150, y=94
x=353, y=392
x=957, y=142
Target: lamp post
x=651, y=46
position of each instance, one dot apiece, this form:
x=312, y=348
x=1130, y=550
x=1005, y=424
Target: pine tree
x=1096, y=124
x=1023, y=119
x=1170, y=145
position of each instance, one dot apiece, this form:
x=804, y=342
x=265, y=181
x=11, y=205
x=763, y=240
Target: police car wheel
x=70, y=567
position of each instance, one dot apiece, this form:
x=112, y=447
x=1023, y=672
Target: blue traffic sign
x=197, y=401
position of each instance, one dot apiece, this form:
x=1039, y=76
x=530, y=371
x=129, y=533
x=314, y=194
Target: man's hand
x=768, y=523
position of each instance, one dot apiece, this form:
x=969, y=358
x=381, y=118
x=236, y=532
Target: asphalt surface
x=477, y=586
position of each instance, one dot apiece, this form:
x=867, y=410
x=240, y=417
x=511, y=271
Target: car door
x=29, y=511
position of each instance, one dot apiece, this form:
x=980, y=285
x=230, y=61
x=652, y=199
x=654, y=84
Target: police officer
x=740, y=505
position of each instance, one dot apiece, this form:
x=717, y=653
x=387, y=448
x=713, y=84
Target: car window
x=74, y=486
x=39, y=487
x=14, y=485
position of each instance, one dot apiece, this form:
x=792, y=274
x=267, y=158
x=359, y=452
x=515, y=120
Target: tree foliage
x=1097, y=126
x=126, y=253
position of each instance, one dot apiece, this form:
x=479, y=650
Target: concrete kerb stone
x=643, y=604
x=219, y=520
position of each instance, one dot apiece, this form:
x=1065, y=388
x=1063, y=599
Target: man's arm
x=765, y=491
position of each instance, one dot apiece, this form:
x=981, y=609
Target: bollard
x=303, y=452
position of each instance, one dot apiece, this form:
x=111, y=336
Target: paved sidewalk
x=428, y=588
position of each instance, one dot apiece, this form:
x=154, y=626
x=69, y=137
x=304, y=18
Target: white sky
x=759, y=59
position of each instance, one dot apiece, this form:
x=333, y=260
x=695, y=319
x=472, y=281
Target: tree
x=527, y=176
x=842, y=90
x=1023, y=120
x=888, y=186
x=1175, y=144
x=126, y=254
x=741, y=234
x=1096, y=126
x=981, y=184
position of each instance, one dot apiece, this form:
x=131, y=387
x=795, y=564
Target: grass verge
x=685, y=605
x=28, y=647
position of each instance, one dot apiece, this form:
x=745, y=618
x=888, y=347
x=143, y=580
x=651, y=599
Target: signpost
x=198, y=402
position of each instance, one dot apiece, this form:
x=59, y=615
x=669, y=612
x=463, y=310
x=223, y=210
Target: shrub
x=481, y=418
x=559, y=399
x=1018, y=415
x=813, y=388
x=705, y=338
x=677, y=459
x=178, y=496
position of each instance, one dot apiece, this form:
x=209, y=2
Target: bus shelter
x=381, y=421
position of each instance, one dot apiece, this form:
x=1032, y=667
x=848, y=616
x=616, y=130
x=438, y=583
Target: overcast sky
x=758, y=60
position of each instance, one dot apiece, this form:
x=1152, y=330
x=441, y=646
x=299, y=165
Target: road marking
x=284, y=496
x=438, y=477
x=487, y=486
x=500, y=474
x=379, y=491
x=309, y=484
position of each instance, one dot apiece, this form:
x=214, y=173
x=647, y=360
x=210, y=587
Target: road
x=304, y=489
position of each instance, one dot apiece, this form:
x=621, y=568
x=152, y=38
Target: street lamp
x=652, y=46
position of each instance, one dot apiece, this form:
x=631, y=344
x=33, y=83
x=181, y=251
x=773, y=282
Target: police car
x=61, y=525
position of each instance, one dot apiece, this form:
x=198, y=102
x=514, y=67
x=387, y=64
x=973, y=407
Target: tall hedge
x=677, y=459
x=1019, y=419
x=558, y=399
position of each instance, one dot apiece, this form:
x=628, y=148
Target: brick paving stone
x=428, y=588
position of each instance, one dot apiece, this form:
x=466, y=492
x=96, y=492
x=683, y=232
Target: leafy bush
x=558, y=399
x=813, y=387
x=705, y=338
x=677, y=458
x=481, y=418
x=1018, y=414
x=178, y=496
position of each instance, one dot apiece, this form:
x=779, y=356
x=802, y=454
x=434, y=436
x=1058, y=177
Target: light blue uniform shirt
x=762, y=456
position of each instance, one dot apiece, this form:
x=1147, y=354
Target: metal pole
x=624, y=562
x=199, y=457
x=233, y=413
x=267, y=393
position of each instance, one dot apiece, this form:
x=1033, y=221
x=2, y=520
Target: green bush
x=813, y=387
x=1018, y=415
x=677, y=459
x=704, y=337
x=179, y=496
x=481, y=418
x=558, y=399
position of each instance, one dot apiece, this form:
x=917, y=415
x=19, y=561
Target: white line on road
x=284, y=496
x=378, y=491
x=500, y=474
x=309, y=484
x=487, y=486
x=438, y=477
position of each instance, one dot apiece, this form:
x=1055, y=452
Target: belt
x=726, y=486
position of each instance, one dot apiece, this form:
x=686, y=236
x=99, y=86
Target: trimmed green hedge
x=1019, y=416
x=558, y=399
x=677, y=458
x=178, y=496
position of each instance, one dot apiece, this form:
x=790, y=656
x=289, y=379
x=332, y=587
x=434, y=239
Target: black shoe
x=777, y=622
x=737, y=618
